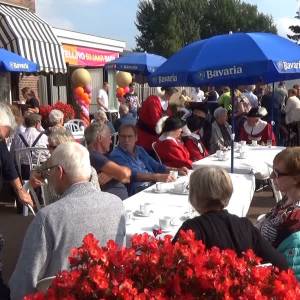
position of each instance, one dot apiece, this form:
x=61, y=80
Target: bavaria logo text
x=164, y=79
x=223, y=72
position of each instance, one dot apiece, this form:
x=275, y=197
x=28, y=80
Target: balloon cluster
x=81, y=80
x=123, y=79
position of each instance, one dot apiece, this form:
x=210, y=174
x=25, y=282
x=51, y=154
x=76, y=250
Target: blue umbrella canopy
x=137, y=62
x=12, y=62
x=231, y=59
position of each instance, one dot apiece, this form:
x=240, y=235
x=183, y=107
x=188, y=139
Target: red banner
x=80, y=56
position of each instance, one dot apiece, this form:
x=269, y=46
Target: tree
x=165, y=26
x=295, y=29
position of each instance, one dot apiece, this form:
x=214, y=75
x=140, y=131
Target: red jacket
x=173, y=154
x=195, y=148
x=261, y=133
x=149, y=114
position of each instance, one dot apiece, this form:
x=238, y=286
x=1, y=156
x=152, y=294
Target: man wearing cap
x=255, y=129
x=152, y=109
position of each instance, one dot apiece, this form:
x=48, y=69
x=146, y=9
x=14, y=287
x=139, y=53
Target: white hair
x=6, y=116
x=74, y=159
x=219, y=112
x=100, y=115
x=56, y=116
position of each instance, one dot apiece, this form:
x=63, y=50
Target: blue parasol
x=231, y=59
x=12, y=62
x=137, y=62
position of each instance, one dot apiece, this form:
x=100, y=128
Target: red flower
x=157, y=269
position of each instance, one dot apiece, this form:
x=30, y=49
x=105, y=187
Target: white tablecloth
x=178, y=207
x=257, y=161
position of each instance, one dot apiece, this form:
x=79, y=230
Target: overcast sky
x=115, y=18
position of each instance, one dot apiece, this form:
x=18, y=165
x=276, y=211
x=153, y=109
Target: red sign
x=80, y=56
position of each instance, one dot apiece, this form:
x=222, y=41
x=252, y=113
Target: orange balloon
x=79, y=91
x=85, y=97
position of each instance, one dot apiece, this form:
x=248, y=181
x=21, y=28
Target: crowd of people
x=84, y=184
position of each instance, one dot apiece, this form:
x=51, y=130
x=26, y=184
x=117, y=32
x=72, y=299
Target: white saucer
x=157, y=191
x=163, y=230
x=138, y=213
x=173, y=191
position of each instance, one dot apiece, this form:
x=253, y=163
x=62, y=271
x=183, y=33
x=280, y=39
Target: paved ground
x=13, y=227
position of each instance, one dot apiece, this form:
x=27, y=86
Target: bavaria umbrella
x=231, y=59
x=137, y=62
x=12, y=62
x=140, y=63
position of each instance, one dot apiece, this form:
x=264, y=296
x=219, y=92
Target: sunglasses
x=278, y=174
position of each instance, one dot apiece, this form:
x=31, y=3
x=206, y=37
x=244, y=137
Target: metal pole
x=232, y=128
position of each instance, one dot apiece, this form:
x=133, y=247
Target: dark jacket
x=227, y=231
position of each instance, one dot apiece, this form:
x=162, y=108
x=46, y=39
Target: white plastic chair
x=153, y=147
x=115, y=139
x=44, y=284
x=26, y=154
x=28, y=188
x=74, y=125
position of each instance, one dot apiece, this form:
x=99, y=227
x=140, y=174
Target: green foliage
x=165, y=26
x=296, y=30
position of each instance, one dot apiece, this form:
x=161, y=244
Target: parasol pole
x=232, y=128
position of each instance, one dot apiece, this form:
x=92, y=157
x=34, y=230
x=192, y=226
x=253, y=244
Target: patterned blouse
x=280, y=222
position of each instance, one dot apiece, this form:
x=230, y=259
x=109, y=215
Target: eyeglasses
x=46, y=171
x=278, y=174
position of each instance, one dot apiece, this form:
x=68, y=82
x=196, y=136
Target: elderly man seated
x=143, y=167
x=111, y=175
x=59, y=227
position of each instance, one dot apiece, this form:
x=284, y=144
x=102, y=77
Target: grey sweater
x=61, y=226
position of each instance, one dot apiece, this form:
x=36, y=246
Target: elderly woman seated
x=210, y=191
x=169, y=146
x=255, y=129
x=221, y=131
x=281, y=226
x=101, y=118
x=56, y=118
x=39, y=175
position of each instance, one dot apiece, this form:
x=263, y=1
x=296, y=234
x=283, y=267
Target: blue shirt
x=140, y=162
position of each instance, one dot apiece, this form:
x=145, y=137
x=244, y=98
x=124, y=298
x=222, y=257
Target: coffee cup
x=243, y=143
x=219, y=154
x=164, y=222
x=174, y=174
x=236, y=145
x=179, y=187
x=242, y=154
x=158, y=186
x=254, y=143
x=145, y=209
x=128, y=216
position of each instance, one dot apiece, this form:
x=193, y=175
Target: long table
x=257, y=161
x=177, y=206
